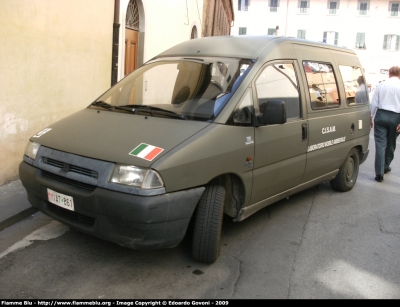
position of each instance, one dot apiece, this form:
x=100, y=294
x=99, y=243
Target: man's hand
x=398, y=128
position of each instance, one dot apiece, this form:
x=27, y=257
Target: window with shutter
x=333, y=6
x=243, y=5
x=391, y=42
x=273, y=5
x=301, y=34
x=363, y=8
x=360, y=41
x=330, y=37
x=394, y=8
x=303, y=6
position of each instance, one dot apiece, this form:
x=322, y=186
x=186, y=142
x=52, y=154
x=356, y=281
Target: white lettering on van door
x=326, y=144
x=328, y=129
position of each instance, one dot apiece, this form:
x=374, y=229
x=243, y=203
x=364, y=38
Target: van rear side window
x=354, y=85
x=322, y=85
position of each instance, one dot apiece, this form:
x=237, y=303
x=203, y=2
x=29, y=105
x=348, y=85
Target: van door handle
x=304, y=132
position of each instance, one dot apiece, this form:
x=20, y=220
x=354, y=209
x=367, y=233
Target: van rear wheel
x=347, y=176
x=208, y=224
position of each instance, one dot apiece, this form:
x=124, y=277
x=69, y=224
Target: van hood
x=117, y=137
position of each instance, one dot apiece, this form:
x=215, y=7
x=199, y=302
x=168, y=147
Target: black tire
x=347, y=176
x=208, y=224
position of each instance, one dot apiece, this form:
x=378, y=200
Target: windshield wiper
x=146, y=107
x=134, y=108
x=108, y=106
x=153, y=110
x=102, y=104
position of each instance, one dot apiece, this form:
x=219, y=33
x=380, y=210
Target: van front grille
x=69, y=181
x=70, y=168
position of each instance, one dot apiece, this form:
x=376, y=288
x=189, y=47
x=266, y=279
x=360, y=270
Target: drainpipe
x=287, y=12
x=214, y=16
x=114, y=61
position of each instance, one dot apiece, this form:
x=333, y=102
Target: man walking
x=385, y=106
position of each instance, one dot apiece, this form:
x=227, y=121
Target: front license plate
x=61, y=200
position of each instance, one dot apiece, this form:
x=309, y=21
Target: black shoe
x=387, y=170
x=379, y=178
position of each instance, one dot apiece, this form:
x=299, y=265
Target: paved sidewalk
x=14, y=204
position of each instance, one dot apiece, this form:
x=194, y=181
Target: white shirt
x=387, y=96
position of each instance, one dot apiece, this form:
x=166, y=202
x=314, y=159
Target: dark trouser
x=385, y=124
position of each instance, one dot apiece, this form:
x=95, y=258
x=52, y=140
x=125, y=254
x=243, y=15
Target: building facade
x=148, y=27
x=370, y=27
x=218, y=17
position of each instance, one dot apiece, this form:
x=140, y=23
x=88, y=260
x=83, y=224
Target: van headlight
x=136, y=176
x=31, y=150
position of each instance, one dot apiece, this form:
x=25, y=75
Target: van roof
x=242, y=46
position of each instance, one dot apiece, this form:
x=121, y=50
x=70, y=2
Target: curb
x=17, y=218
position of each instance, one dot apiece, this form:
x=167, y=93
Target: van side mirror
x=273, y=112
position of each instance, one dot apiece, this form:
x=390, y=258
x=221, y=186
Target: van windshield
x=186, y=88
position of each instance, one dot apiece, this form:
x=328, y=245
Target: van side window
x=243, y=115
x=278, y=82
x=354, y=85
x=322, y=85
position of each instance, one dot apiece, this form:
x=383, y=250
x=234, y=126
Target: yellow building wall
x=55, y=59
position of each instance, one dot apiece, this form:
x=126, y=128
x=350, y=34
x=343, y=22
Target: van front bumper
x=134, y=221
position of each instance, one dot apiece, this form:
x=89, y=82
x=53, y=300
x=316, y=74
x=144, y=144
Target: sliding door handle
x=304, y=132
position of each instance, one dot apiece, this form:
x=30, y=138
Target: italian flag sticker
x=146, y=151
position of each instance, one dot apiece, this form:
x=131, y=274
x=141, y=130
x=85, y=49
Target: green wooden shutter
x=358, y=40
x=301, y=34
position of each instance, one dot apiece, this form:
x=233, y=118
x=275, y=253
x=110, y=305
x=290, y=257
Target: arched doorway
x=193, y=35
x=131, y=37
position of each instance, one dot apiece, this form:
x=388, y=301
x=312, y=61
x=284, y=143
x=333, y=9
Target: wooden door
x=131, y=48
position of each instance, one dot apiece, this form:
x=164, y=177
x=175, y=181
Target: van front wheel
x=208, y=224
x=347, y=176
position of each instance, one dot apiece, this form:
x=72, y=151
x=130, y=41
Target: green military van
x=213, y=126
